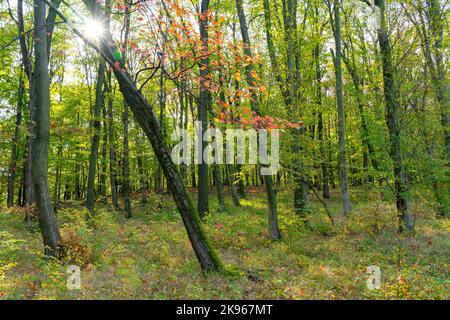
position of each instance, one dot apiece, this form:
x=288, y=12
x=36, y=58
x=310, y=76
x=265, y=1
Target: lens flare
x=93, y=29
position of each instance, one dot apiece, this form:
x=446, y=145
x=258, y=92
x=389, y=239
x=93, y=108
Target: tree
x=320, y=125
x=95, y=141
x=433, y=37
x=111, y=134
x=39, y=157
x=204, y=105
x=147, y=119
x=406, y=221
x=27, y=64
x=274, y=230
x=15, y=141
x=340, y=106
x=126, y=120
x=290, y=91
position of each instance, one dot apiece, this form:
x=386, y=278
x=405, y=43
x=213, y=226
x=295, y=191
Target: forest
x=224, y=149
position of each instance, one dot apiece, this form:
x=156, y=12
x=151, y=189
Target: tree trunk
x=15, y=141
x=126, y=120
x=183, y=120
x=204, y=105
x=111, y=134
x=322, y=182
x=103, y=173
x=112, y=147
x=147, y=119
x=29, y=188
x=162, y=107
x=56, y=189
x=95, y=140
x=39, y=157
x=142, y=180
x=341, y=112
x=290, y=91
x=233, y=185
x=357, y=83
x=406, y=220
x=241, y=182
x=438, y=73
x=323, y=162
x=274, y=231
x=219, y=187
x=126, y=164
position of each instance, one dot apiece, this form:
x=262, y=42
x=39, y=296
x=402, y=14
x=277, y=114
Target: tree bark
x=29, y=188
x=112, y=147
x=57, y=187
x=147, y=119
x=204, y=105
x=406, y=220
x=241, y=182
x=233, y=185
x=438, y=73
x=142, y=180
x=320, y=129
x=162, y=109
x=289, y=90
x=95, y=140
x=111, y=134
x=274, y=230
x=219, y=187
x=14, y=142
x=39, y=158
x=126, y=120
x=341, y=111
x=103, y=173
x=357, y=83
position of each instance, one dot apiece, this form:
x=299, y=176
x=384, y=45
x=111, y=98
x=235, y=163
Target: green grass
x=150, y=257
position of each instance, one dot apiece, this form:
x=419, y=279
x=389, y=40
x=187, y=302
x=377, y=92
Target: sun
x=93, y=29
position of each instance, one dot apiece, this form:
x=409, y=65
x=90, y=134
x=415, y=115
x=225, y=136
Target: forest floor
x=149, y=256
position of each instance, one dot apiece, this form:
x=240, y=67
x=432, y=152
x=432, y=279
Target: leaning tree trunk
x=39, y=157
x=147, y=119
